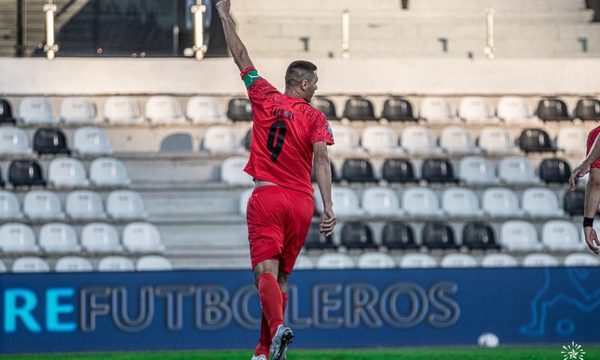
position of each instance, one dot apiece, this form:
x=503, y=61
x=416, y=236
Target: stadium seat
x=376, y=260
x=474, y=109
x=141, y=237
x=561, y=235
x=419, y=140
x=535, y=140
x=303, y=263
x=244, y=198
x=84, y=205
x=164, y=110
x=518, y=235
x=498, y=260
x=17, y=238
x=574, y=202
x=50, y=140
x=125, y=205
x=91, y=141
x=457, y=140
x=239, y=109
x=539, y=260
x=458, y=261
x=420, y=261
x=436, y=109
x=326, y=106
x=346, y=140
x=232, y=171
x=67, y=173
x=555, y=171
x=334, y=261
x=204, y=109
x=358, y=171
x=359, y=108
x=477, y=170
x=122, y=110
x=115, y=263
x=25, y=173
x=6, y=113
x=30, y=264
x=398, y=236
x=381, y=201
x=73, y=264
x=100, y=238
x=398, y=170
x=357, y=236
x=479, y=236
x=517, y=170
x=221, y=139
x=380, y=139
x=540, y=202
x=77, y=110
x=501, y=202
x=42, y=205
x=419, y=201
x=57, y=238
x=345, y=202
x=248, y=140
x=552, y=109
x=588, y=109
x=437, y=170
x=108, y=172
x=438, y=236
x=179, y=143
x=513, y=109
x=3, y=268
x=36, y=111
x=579, y=259
x=153, y=263
x=571, y=140
x=10, y=209
x=461, y=202
x=495, y=140
x=14, y=141
x=398, y=109
x=317, y=241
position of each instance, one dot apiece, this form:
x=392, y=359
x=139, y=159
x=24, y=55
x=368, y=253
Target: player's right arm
x=322, y=170
x=586, y=164
x=236, y=46
x=592, y=201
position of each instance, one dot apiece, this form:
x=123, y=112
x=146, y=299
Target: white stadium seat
x=125, y=205
x=501, y=202
x=539, y=260
x=221, y=139
x=42, y=205
x=232, y=171
x=141, y=237
x=334, y=261
x=421, y=261
x=581, y=259
x=541, y=202
x=475, y=109
x=498, y=260
x=345, y=202
x=36, y=111
x=517, y=170
x=303, y=263
x=77, y=110
x=381, y=201
x=67, y=172
x=436, y=109
x=59, y=238
x=458, y=261
x=100, y=238
x=115, y=263
x=3, y=268
x=17, y=238
x=380, y=139
x=572, y=139
x=153, y=263
x=517, y=235
x=84, y=205
x=122, y=110
x=244, y=197
x=73, y=264
x=14, y=141
x=164, y=110
x=461, y=202
x=477, y=170
x=513, y=109
x=419, y=140
x=420, y=201
x=30, y=264
x=374, y=260
x=561, y=235
x=457, y=140
x=9, y=206
x=346, y=140
x=108, y=172
x=204, y=109
x=495, y=140
x=91, y=140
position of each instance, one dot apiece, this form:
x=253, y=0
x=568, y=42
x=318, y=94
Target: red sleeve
x=260, y=89
x=321, y=130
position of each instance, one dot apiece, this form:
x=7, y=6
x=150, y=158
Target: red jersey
x=283, y=132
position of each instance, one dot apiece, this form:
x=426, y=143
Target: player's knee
x=267, y=267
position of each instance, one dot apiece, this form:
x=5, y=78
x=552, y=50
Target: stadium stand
x=42, y=205
x=91, y=141
x=397, y=109
x=77, y=110
x=36, y=111
x=17, y=238
x=100, y=238
x=358, y=108
x=121, y=110
x=203, y=109
x=59, y=238
x=30, y=264
x=14, y=141
x=67, y=173
x=381, y=201
x=6, y=112
x=398, y=236
x=10, y=208
x=73, y=264
x=25, y=173
x=84, y=205
x=50, y=141
x=164, y=110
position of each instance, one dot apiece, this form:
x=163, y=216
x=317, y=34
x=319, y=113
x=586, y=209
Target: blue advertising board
x=326, y=308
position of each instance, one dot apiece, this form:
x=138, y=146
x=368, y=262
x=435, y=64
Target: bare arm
x=592, y=201
x=236, y=46
x=323, y=175
x=585, y=165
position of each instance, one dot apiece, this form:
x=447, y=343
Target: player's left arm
x=236, y=46
x=592, y=201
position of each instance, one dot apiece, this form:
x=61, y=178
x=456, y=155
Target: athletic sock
x=264, y=342
x=270, y=301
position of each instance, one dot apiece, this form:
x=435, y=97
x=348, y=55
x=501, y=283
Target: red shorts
x=278, y=222
x=590, y=141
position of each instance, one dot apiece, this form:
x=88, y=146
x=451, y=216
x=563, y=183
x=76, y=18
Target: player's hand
x=591, y=239
x=223, y=6
x=327, y=222
x=578, y=172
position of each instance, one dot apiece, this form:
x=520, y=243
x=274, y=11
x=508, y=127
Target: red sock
x=264, y=342
x=271, y=301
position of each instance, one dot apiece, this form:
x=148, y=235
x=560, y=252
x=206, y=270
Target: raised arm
x=235, y=44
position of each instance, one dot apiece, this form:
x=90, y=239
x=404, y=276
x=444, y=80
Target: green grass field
x=507, y=353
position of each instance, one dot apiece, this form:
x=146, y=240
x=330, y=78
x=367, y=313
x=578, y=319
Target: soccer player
x=590, y=164
x=287, y=136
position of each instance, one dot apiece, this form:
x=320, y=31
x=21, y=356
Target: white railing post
x=345, y=34
x=50, y=48
x=199, y=48
x=489, y=48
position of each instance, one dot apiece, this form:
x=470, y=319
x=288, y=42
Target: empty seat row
x=28, y=264
x=86, y=141
x=43, y=205
x=138, y=237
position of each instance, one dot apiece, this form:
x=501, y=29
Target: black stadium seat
x=326, y=106
x=334, y=177
x=555, y=171
x=479, y=236
x=552, y=109
x=398, y=236
x=535, y=140
x=398, y=170
x=50, y=141
x=574, y=202
x=239, y=109
x=316, y=241
x=398, y=109
x=438, y=236
x=588, y=109
x=358, y=108
x=357, y=235
x=437, y=170
x=358, y=170
x=6, y=115
x=25, y=173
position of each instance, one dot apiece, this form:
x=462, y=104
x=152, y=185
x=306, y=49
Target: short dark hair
x=299, y=70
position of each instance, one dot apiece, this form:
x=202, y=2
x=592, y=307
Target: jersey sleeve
x=258, y=88
x=321, y=131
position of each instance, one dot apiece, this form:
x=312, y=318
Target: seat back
x=458, y=261
x=418, y=139
x=359, y=108
x=108, y=172
x=14, y=141
x=420, y=201
x=67, y=172
x=381, y=201
x=555, y=171
x=435, y=109
x=457, y=140
x=438, y=235
x=326, y=106
x=36, y=111
x=91, y=140
x=141, y=237
x=552, y=109
x=437, y=170
x=498, y=260
x=422, y=261
x=516, y=170
x=561, y=235
x=164, y=110
x=239, y=109
x=535, y=140
x=125, y=205
x=500, y=202
x=17, y=238
x=100, y=238
x=58, y=238
x=346, y=139
x=539, y=260
x=460, y=202
x=203, y=109
x=472, y=108
x=9, y=206
x=540, y=202
x=357, y=235
x=397, y=109
x=50, y=140
x=30, y=264
x=345, y=202
x=115, y=263
x=84, y=205
x=374, y=260
x=571, y=139
x=25, y=173
x=220, y=139
x=398, y=236
x=6, y=113
x=77, y=110
x=317, y=241
x=153, y=263
x=477, y=170
x=122, y=110
x=580, y=259
x=42, y=205
x=379, y=139
x=588, y=109
x=513, y=109
x=232, y=171
x=398, y=170
x=73, y=264
x=334, y=261
x=479, y=236
x=496, y=140
x=358, y=170
x=574, y=202
x=517, y=235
